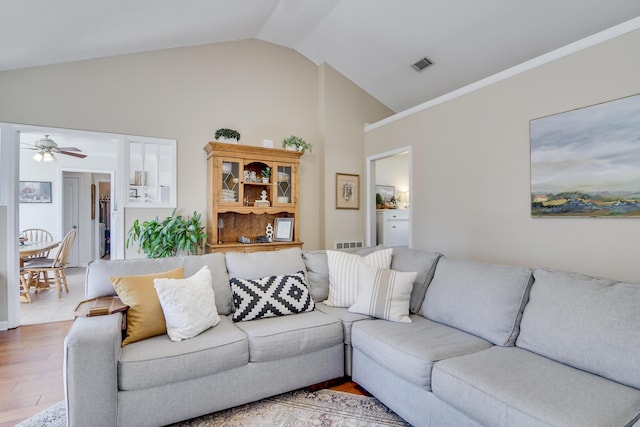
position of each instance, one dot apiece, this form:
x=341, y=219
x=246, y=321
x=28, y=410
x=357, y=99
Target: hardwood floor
x=31, y=371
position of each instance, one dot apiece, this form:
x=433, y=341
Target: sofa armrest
x=91, y=350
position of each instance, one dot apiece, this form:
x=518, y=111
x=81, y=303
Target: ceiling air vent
x=422, y=64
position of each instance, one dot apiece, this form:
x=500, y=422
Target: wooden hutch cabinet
x=233, y=188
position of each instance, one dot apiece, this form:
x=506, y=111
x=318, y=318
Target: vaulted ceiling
x=372, y=42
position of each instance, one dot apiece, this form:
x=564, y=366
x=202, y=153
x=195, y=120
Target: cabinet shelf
x=251, y=247
x=245, y=210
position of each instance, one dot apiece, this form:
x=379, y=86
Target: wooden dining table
x=28, y=249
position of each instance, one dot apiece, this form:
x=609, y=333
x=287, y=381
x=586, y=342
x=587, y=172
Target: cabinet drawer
x=396, y=233
x=397, y=216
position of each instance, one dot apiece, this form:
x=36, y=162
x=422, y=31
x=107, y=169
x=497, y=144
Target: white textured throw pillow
x=384, y=293
x=189, y=305
x=343, y=274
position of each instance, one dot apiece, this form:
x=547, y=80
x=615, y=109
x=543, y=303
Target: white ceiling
x=372, y=42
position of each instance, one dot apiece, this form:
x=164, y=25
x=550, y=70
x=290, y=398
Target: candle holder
x=220, y=227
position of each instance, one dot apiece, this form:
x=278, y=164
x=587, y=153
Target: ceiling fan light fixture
x=422, y=64
x=38, y=156
x=48, y=157
x=46, y=142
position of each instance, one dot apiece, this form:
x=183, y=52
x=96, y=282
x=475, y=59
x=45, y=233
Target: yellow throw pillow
x=145, y=318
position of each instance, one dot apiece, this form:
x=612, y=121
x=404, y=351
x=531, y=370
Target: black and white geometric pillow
x=270, y=296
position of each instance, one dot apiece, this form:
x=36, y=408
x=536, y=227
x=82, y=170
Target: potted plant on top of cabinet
x=227, y=135
x=296, y=143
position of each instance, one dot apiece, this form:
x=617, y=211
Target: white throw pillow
x=343, y=274
x=384, y=293
x=189, y=304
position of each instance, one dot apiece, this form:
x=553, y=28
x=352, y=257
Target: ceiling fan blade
x=70, y=153
x=68, y=149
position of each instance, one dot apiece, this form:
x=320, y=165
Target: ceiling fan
x=46, y=146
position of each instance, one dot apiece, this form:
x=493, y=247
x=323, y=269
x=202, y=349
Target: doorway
x=392, y=170
x=73, y=205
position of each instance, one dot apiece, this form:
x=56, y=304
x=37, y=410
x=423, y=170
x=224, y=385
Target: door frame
x=82, y=237
x=9, y=177
x=370, y=214
x=9, y=174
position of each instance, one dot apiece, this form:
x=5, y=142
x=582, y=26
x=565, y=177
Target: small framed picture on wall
x=347, y=191
x=35, y=192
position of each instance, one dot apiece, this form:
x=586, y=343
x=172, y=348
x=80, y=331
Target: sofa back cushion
x=97, y=281
x=256, y=265
x=483, y=299
x=317, y=267
x=402, y=259
x=589, y=323
x=421, y=262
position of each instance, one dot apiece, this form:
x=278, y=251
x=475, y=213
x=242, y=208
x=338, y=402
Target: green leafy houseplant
x=299, y=143
x=266, y=172
x=164, y=239
x=227, y=133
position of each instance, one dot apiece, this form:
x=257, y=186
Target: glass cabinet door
x=229, y=182
x=283, y=178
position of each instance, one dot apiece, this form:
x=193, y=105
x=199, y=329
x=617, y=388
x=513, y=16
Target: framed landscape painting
x=586, y=162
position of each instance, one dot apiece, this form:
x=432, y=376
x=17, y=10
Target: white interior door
x=70, y=212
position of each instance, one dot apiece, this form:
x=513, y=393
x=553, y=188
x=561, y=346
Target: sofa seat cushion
x=586, y=322
x=347, y=318
x=276, y=338
x=508, y=386
x=159, y=360
x=410, y=349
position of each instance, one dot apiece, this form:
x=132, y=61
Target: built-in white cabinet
x=152, y=172
x=392, y=227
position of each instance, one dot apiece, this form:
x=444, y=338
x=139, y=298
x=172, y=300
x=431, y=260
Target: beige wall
x=471, y=168
x=260, y=89
x=346, y=107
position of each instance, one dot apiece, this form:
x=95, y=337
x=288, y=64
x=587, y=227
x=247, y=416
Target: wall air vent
x=354, y=244
x=422, y=64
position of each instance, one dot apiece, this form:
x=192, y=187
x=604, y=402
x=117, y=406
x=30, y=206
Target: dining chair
x=36, y=235
x=52, y=269
x=24, y=286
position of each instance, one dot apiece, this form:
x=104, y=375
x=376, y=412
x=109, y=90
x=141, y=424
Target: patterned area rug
x=322, y=408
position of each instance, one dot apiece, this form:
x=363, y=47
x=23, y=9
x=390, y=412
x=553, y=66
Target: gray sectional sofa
x=489, y=345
